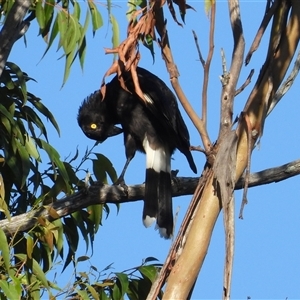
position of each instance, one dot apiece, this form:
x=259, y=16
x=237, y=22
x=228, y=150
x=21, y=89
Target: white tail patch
x=148, y=221
x=157, y=159
x=162, y=232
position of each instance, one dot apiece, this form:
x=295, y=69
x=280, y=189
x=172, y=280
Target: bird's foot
x=121, y=182
x=174, y=174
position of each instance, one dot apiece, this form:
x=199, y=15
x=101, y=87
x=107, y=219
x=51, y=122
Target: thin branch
x=286, y=85
x=264, y=23
x=99, y=193
x=198, y=49
x=172, y=69
x=247, y=82
x=208, y=61
x=228, y=90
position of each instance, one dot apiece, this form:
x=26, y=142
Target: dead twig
x=286, y=85
x=198, y=49
x=244, y=85
x=264, y=23
x=208, y=61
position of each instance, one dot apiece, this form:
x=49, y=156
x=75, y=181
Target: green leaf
x=19, y=131
x=82, y=258
x=69, y=62
x=9, y=290
x=40, y=14
x=101, y=166
x=2, y=190
x=46, y=112
x=3, y=205
x=30, y=146
x=116, y=292
x=55, y=158
x=104, y=296
x=78, y=217
x=17, y=285
x=11, y=161
x=73, y=36
x=62, y=21
x=49, y=9
x=77, y=10
x=83, y=294
x=82, y=52
x=97, y=21
x=131, y=9
x=93, y=292
x=69, y=31
x=82, y=40
x=25, y=161
x=21, y=79
x=4, y=249
x=53, y=35
x=35, y=267
x=71, y=173
x=29, y=246
x=72, y=237
x=133, y=289
x=99, y=171
x=149, y=259
x=7, y=80
x=115, y=31
x=149, y=272
x=95, y=215
x=59, y=237
x=148, y=43
x=6, y=113
x=124, y=282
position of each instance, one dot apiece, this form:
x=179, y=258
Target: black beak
x=114, y=130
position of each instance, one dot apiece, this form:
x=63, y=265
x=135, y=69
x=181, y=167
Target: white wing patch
x=148, y=98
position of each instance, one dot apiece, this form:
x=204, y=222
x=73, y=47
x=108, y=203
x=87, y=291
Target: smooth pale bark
x=188, y=265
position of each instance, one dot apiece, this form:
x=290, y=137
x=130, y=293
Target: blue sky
x=267, y=260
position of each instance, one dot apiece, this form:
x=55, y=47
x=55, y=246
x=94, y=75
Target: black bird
x=154, y=127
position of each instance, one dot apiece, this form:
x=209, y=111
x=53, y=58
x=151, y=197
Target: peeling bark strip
x=224, y=172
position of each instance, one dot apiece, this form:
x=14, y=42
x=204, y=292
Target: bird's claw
x=121, y=182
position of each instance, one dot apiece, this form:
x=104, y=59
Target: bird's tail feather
x=151, y=197
x=158, y=193
x=165, y=211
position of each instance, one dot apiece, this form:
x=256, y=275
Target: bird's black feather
x=154, y=127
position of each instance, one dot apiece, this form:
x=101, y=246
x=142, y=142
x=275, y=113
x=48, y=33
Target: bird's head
x=94, y=119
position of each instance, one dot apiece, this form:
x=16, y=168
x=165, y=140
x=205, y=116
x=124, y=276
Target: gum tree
x=35, y=224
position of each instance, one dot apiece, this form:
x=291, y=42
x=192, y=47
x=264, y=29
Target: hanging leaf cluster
x=133, y=284
x=21, y=138
x=31, y=176
x=65, y=22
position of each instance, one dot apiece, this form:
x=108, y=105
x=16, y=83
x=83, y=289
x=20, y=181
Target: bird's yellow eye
x=93, y=126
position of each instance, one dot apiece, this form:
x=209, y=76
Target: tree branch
x=99, y=194
x=208, y=62
x=14, y=27
x=229, y=89
x=160, y=26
